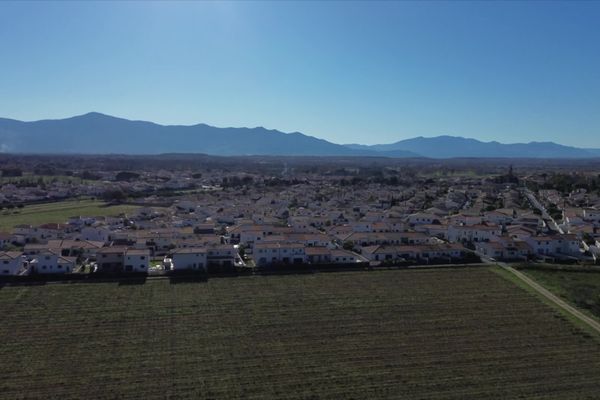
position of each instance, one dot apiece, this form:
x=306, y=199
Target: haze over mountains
x=96, y=133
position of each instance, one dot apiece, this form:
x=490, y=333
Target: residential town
x=216, y=219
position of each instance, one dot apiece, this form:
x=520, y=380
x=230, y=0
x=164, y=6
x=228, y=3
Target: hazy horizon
x=359, y=72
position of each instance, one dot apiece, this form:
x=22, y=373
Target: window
x=142, y=257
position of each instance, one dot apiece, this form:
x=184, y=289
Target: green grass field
x=582, y=289
x=58, y=212
x=444, y=334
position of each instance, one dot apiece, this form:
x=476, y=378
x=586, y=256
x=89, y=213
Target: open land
x=582, y=289
x=59, y=212
x=443, y=334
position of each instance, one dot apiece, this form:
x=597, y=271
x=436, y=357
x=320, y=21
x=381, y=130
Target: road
x=592, y=323
x=547, y=217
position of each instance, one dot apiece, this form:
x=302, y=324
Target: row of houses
x=16, y=263
x=42, y=259
x=297, y=253
x=122, y=259
x=423, y=252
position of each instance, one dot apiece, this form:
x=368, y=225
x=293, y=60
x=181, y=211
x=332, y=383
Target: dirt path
x=595, y=325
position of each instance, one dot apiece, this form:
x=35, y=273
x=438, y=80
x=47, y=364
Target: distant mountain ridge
x=454, y=146
x=96, y=133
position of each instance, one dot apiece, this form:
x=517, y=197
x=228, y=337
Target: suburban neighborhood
x=211, y=220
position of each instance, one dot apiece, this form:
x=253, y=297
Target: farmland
x=581, y=289
x=36, y=214
x=443, y=334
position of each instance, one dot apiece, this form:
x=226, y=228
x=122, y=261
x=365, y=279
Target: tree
x=114, y=195
x=126, y=176
x=242, y=250
x=90, y=176
x=12, y=172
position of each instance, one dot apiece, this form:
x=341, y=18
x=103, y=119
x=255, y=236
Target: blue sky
x=348, y=72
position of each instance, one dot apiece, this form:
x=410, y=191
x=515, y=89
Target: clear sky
x=348, y=72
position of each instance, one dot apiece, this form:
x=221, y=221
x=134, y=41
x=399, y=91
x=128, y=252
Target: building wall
x=189, y=261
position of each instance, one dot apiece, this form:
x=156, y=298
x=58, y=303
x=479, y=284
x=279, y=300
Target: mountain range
x=455, y=147
x=96, y=133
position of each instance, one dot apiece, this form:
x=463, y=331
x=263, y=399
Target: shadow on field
x=22, y=283
x=137, y=280
x=187, y=277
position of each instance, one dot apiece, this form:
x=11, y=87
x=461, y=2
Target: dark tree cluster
x=126, y=176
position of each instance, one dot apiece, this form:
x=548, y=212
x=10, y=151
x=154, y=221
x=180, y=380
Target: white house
x=45, y=262
x=52, y=263
x=472, y=233
x=505, y=249
x=498, y=217
x=249, y=233
x=423, y=218
x=553, y=245
x=95, y=234
x=193, y=258
x=362, y=226
x=279, y=253
x=301, y=224
x=423, y=251
x=221, y=255
x=340, y=256
x=136, y=260
x=591, y=214
x=11, y=262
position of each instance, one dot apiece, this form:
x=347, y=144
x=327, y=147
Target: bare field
x=448, y=334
